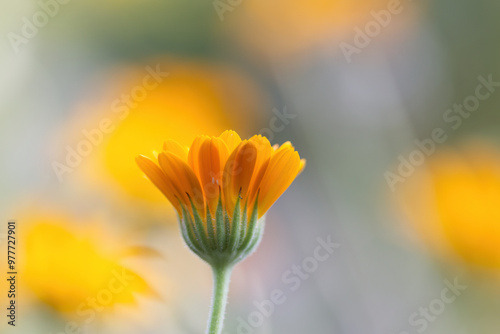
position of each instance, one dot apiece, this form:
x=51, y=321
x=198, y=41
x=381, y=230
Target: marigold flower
x=223, y=176
x=221, y=188
x=223, y=167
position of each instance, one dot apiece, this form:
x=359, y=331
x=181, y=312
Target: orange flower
x=222, y=187
x=223, y=169
x=267, y=27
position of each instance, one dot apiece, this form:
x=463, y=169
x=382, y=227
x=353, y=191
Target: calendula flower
x=221, y=188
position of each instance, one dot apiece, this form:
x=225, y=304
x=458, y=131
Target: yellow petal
x=231, y=138
x=174, y=147
x=303, y=164
x=158, y=178
x=264, y=149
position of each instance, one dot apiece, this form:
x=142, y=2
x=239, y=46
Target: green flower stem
x=222, y=277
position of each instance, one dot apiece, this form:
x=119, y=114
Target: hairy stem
x=222, y=277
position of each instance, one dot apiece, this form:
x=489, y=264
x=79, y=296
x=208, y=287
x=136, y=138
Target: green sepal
x=234, y=238
x=252, y=246
x=189, y=235
x=210, y=229
x=244, y=224
x=234, y=235
x=227, y=226
x=199, y=229
x=220, y=226
x=251, y=227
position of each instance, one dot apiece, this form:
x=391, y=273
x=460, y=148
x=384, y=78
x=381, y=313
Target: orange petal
x=264, y=152
x=238, y=174
x=183, y=179
x=159, y=179
x=283, y=168
x=212, y=159
x=194, y=154
x=174, y=147
x=264, y=149
x=256, y=182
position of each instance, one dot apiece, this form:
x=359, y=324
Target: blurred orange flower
x=455, y=204
x=284, y=27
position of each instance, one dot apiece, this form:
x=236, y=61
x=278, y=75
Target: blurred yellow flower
x=76, y=271
x=455, y=204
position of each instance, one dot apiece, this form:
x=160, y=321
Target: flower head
x=221, y=186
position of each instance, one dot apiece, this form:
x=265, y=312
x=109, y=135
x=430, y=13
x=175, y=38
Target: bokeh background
x=402, y=177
